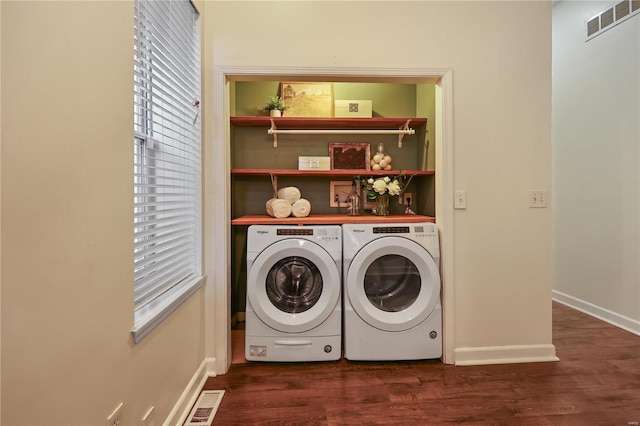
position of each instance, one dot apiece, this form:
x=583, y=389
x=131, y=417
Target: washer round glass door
x=393, y=284
x=293, y=285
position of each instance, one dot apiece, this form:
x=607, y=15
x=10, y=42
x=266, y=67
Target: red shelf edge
x=293, y=172
x=326, y=122
x=330, y=219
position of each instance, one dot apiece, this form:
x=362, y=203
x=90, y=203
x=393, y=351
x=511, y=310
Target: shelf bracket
x=407, y=183
x=274, y=184
x=404, y=128
x=273, y=131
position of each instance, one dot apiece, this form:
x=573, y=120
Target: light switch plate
x=460, y=201
x=538, y=199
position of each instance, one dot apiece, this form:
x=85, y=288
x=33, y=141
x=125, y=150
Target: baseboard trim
x=180, y=411
x=613, y=318
x=505, y=354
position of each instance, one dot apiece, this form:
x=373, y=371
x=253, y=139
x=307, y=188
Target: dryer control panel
x=418, y=230
x=391, y=230
x=355, y=236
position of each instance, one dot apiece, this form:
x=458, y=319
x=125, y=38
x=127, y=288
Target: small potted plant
x=276, y=106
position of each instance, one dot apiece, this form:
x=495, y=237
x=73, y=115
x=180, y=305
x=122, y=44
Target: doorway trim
x=217, y=186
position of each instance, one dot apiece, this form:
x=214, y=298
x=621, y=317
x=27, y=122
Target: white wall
x=67, y=226
x=500, y=53
x=596, y=165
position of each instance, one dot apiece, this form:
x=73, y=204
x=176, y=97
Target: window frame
x=167, y=89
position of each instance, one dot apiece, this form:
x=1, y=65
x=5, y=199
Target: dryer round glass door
x=393, y=284
x=293, y=285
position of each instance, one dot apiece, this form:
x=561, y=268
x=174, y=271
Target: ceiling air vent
x=606, y=18
x=622, y=10
x=593, y=26
x=611, y=17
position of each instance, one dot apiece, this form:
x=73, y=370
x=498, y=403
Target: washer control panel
x=328, y=233
x=326, y=237
x=294, y=231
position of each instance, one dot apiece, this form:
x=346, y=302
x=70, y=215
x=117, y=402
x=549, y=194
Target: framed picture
x=339, y=190
x=354, y=156
x=312, y=99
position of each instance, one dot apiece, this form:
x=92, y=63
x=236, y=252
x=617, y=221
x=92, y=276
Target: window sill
x=150, y=316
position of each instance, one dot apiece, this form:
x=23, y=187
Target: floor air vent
x=205, y=408
x=611, y=17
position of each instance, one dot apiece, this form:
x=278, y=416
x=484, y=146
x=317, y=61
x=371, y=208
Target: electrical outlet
x=538, y=199
x=115, y=418
x=406, y=198
x=148, y=418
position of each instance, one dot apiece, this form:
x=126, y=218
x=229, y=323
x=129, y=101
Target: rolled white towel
x=289, y=193
x=278, y=208
x=301, y=208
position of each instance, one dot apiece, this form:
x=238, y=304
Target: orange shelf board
x=344, y=172
x=330, y=219
x=325, y=123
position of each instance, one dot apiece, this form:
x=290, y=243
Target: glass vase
x=382, y=205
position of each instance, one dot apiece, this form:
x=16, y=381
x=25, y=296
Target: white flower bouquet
x=381, y=190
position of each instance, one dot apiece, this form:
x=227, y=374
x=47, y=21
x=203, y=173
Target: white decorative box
x=351, y=108
x=314, y=163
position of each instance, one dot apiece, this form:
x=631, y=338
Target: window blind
x=167, y=150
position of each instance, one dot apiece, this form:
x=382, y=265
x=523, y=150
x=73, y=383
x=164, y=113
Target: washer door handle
x=295, y=342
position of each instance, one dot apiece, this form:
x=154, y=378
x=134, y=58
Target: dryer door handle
x=293, y=342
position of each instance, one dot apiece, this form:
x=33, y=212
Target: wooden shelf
x=328, y=173
x=309, y=125
x=326, y=123
x=330, y=219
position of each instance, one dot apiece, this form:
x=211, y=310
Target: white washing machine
x=294, y=303
x=391, y=279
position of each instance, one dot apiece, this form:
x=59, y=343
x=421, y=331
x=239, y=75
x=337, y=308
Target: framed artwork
x=342, y=189
x=352, y=156
x=339, y=190
x=307, y=99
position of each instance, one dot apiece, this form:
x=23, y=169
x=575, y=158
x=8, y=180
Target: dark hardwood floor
x=596, y=382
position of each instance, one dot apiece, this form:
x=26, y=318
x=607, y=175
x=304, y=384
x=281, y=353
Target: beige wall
x=67, y=221
x=500, y=54
x=0, y=221
x=67, y=184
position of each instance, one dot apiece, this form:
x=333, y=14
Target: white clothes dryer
x=391, y=279
x=294, y=302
